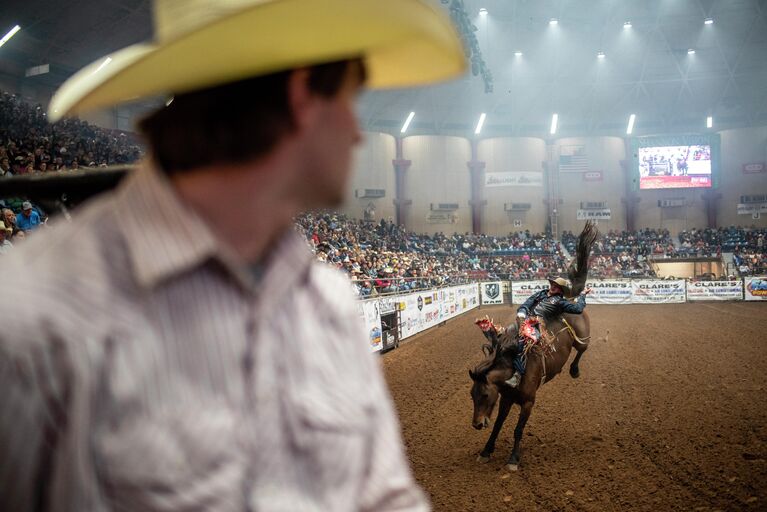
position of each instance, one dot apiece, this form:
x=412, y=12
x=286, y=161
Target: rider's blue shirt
x=550, y=306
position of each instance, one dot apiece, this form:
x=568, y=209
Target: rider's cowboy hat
x=203, y=43
x=562, y=283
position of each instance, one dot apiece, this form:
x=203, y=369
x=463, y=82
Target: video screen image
x=674, y=167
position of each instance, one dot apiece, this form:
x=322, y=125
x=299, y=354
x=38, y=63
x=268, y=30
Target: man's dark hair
x=234, y=122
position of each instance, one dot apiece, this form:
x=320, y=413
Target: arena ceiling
x=646, y=69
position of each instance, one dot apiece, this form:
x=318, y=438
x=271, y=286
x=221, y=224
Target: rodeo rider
x=543, y=305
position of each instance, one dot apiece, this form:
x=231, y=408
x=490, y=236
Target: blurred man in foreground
x=176, y=347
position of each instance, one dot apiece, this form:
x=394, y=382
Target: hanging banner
x=715, y=290
x=514, y=179
x=755, y=288
x=492, y=293
x=371, y=316
x=592, y=176
x=609, y=291
x=754, y=168
x=751, y=208
x=649, y=291
x=602, y=214
x=521, y=290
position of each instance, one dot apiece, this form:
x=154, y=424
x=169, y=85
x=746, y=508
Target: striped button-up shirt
x=143, y=368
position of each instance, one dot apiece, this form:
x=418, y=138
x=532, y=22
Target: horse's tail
x=578, y=269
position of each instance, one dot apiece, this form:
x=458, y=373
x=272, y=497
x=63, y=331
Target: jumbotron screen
x=674, y=167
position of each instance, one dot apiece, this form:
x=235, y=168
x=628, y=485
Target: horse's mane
x=493, y=356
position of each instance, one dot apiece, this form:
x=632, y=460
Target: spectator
x=28, y=219
x=5, y=167
x=5, y=244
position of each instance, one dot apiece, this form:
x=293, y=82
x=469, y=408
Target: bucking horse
x=545, y=360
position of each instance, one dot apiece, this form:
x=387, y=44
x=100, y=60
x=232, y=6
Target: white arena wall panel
x=372, y=168
x=512, y=155
x=438, y=174
x=739, y=147
x=604, y=155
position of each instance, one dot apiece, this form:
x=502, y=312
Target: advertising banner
x=609, y=291
x=492, y=293
x=592, y=176
x=754, y=168
x=650, y=291
x=755, y=288
x=521, y=290
x=419, y=311
x=514, y=179
x=371, y=317
x=603, y=214
x=715, y=290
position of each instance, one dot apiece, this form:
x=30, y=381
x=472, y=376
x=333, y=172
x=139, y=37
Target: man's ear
x=300, y=98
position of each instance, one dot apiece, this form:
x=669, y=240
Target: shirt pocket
x=331, y=429
x=172, y=457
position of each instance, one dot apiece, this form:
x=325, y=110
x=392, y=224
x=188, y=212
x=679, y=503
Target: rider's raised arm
x=575, y=308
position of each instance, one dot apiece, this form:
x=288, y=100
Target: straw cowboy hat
x=203, y=43
x=562, y=283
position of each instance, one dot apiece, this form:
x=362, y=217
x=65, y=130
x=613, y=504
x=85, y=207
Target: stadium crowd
x=380, y=257
x=29, y=144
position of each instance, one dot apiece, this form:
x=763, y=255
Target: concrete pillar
x=400, y=167
x=476, y=169
x=711, y=199
x=631, y=199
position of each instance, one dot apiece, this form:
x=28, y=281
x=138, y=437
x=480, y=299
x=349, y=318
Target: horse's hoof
x=512, y=467
x=575, y=374
x=483, y=460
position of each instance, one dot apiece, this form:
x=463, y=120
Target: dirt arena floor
x=669, y=414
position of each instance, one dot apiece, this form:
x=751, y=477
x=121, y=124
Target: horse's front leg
x=503, y=411
x=575, y=371
x=524, y=414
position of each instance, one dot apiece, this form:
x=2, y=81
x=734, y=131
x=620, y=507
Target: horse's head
x=484, y=394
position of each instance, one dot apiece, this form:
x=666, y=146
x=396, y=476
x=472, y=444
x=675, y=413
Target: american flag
x=573, y=159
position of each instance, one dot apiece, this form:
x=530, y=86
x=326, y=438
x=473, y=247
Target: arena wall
x=438, y=174
x=512, y=155
x=372, y=168
x=604, y=155
x=742, y=146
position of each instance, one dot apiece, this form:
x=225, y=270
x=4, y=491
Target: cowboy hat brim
x=402, y=42
x=564, y=285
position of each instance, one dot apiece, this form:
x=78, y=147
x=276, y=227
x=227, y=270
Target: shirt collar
x=166, y=237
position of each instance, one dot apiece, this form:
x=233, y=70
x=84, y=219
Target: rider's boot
x=514, y=380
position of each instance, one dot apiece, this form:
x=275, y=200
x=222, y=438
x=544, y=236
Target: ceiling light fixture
x=626, y=24
x=553, y=21
x=709, y=21
x=600, y=55
x=690, y=52
x=9, y=35
x=480, y=123
x=554, y=121
x=710, y=122
x=407, y=122
x=518, y=53
x=482, y=11
x=630, y=127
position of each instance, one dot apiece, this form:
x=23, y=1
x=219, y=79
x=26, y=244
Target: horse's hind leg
x=575, y=371
x=524, y=415
x=503, y=411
